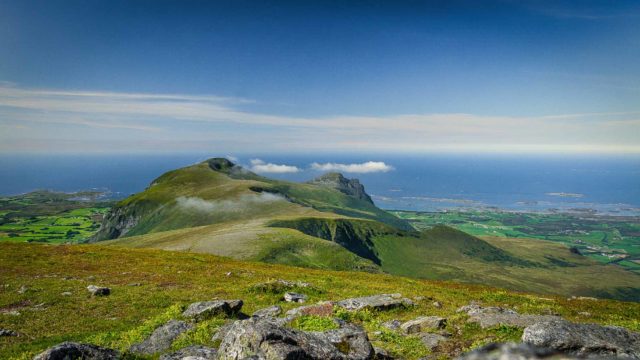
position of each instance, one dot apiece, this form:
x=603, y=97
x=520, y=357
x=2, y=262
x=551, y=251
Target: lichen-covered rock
x=265, y=338
x=295, y=297
x=584, y=339
x=423, y=323
x=72, y=350
x=375, y=302
x=195, y=352
x=508, y=351
x=320, y=309
x=98, y=290
x=392, y=324
x=430, y=341
x=161, y=338
x=207, y=309
x=381, y=354
x=271, y=311
x=492, y=316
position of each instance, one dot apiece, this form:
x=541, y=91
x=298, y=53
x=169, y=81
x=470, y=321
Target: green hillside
x=330, y=223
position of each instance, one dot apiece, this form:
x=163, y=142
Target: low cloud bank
x=239, y=204
x=260, y=166
x=366, y=167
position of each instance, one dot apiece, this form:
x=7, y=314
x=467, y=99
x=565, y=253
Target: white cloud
x=260, y=166
x=59, y=120
x=236, y=205
x=366, y=167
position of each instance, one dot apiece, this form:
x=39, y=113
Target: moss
x=314, y=323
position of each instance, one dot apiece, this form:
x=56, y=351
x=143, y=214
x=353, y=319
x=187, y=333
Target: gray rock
x=72, y=350
x=514, y=351
x=222, y=331
x=7, y=332
x=98, y=290
x=584, y=339
x=392, y=324
x=320, y=309
x=423, y=323
x=66, y=293
x=271, y=311
x=437, y=304
x=381, y=354
x=492, y=316
x=161, y=338
x=375, y=302
x=430, y=341
x=265, y=338
x=295, y=297
x=195, y=352
x=207, y=309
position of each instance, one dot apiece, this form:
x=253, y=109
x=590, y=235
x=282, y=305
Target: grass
x=171, y=280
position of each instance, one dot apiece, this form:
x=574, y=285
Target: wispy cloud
x=260, y=166
x=366, y=167
x=60, y=120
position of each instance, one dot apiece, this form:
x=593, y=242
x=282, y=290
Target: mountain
x=330, y=222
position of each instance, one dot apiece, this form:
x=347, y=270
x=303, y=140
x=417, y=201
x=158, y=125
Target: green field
x=51, y=217
x=44, y=298
x=607, y=239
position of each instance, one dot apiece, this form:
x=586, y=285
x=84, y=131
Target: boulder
x=423, y=323
x=513, y=351
x=430, y=341
x=222, y=331
x=584, y=339
x=493, y=316
x=375, y=302
x=7, y=332
x=319, y=309
x=381, y=354
x=271, y=311
x=98, y=290
x=294, y=297
x=392, y=324
x=207, y=309
x=195, y=352
x=265, y=338
x=72, y=350
x=161, y=338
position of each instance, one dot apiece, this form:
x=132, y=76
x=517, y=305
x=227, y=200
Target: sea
x=606, y=185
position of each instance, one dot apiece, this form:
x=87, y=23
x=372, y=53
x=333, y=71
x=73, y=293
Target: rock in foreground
x=375, y=302
x=492, y=316
x=161, y=338
x=207, y=309
x=267, y=339
x=195, y=352
x=513, y=351
x=98, y=290
x=584, y=339
x=72, y=350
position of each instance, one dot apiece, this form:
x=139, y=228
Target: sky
x=320, y=76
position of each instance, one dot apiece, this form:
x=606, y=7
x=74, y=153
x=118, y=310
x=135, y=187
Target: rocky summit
x=351, y=187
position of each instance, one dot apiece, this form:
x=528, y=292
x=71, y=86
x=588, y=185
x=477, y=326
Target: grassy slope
x=170, y=280
x=539, y=266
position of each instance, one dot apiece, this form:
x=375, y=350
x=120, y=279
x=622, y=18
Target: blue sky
x=317, y=76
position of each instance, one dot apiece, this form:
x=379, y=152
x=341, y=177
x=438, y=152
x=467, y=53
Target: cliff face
x=351, y=187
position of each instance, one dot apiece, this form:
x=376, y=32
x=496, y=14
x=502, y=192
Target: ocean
x=601, y=184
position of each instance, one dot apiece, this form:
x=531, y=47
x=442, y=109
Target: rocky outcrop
x=271, y=311
x=423, y=323
x=431, y=341
x=584, y=339
x=492, y=316
x=207, y=309
x=268, y=339
x=375, y=302
x=161, y=338
x=192, y=353
x=72, y=350
x=514, y=351
x=351, y=187
x=117, y=223
x=98, y=290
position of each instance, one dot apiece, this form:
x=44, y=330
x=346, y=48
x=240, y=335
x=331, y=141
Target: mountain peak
x=220, y=164
x=351, y=187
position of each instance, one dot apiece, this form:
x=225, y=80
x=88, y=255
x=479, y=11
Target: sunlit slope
x=216, y=191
